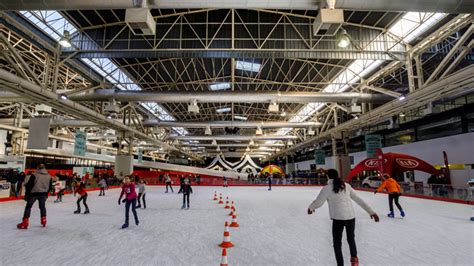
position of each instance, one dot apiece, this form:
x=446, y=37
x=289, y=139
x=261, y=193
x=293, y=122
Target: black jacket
x=187, y=189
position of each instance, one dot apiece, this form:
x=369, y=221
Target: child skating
x=128, y=189
x=59, y=190
x=80, y=189
x=187, y=190
x=103, y=186
x=168, y=183
x=141, y=193
x=393, y=190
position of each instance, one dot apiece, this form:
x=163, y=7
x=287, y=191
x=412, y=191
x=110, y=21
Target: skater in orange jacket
x=393, y=190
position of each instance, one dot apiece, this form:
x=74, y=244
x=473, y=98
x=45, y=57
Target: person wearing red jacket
x=128, y=189
x=394, y=192
x=80, y=188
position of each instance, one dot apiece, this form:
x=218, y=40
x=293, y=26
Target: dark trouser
x=29, y=203
x=185, y=200
x=140, y=195
x=19, y=187
x=169, y=184
x=60, y=194
x=13, y=189
x=132, y=202
x=102, y=191
x=181, y=188
x=337, y=228
x=269, y=185
x=84, y=201
x=391, y=197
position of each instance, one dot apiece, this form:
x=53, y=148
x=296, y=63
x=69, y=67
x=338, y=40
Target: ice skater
x=168, y=183
x=187, y=190
x=59, y=190
x=225, y=181
x=103, y=186
x=393, y=189
x=128, y=189
x=270, y=177
x=339, y=195
x=141, y=193
x=37, y=186
x=80, y=189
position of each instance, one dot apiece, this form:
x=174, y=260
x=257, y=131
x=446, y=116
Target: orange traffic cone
x=234, y=221
x=224, y=257
x=215, y=196
x=226, y=242
x=220, y=199
x=227, y=206
x=232, y=211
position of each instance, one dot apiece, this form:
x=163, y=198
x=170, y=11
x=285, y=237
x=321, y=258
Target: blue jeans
x=132, y=202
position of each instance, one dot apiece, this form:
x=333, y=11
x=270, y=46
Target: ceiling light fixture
x=208, y=131
x=223, y=110
x=401, y=97
x=65, y=40
x=240, y=117
x=219, y=86
x=63, y=97
x=259, y=131
x=247, y=66
x=342, y=39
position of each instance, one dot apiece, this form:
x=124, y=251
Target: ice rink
x=274, y=230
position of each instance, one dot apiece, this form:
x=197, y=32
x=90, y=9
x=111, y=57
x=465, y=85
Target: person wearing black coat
x=187, y=190
x=19, y=184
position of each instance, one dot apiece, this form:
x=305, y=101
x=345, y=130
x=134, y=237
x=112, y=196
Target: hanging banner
x=80, y=143
x=319, y=157
x=372, y=143
x=38, y=133
x=140, y=155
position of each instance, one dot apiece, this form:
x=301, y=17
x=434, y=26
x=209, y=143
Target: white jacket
x=340, y=204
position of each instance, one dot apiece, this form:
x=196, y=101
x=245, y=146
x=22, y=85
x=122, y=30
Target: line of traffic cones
x=226, y=242
x=215, y=196
x=220, y=199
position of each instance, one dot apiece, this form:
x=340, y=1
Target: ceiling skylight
x=219, y=86
x=247, y=66
x=54, y=24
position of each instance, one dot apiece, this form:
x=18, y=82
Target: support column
x=411, y=75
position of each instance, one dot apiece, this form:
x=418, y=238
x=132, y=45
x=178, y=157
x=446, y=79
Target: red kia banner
x=391, y=163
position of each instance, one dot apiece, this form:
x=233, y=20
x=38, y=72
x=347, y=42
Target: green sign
x=80, y=143
x=320, y=157
x=372, y=142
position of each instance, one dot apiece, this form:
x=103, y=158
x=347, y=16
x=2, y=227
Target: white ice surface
x=274, y=230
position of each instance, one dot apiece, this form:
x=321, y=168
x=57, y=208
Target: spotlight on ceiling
x=65, y=40
x=63, y=97
x=343, y=39
x=193, y=107
x=208, y=131
x=214, y=142
x=273, y=108
x=401, y=97
x=251, y=142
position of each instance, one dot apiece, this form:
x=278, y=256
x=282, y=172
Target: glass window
x=439, y=129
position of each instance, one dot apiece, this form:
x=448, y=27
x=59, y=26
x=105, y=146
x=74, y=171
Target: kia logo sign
x=372, y=163
x=407, y=163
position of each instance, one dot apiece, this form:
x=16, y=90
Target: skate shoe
x=56, y=201
x=86, y=212
x=391, y=215
x=137, y=223
x=354, y=261
x=402, y=213
x=43, y=221
x=23, y=224
x=124, y=226
x=182, y=207
x=77, y=211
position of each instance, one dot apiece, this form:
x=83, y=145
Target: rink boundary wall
x=49, y=195
x=264, y=185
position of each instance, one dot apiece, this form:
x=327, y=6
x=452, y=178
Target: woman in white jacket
x=339, y=196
